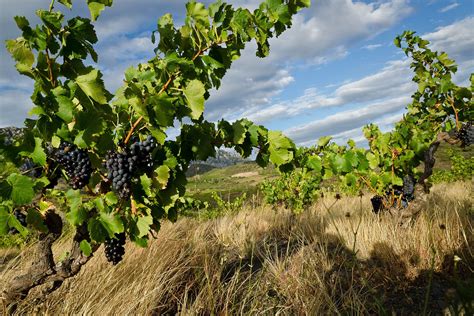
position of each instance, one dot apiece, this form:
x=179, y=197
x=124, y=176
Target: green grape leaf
x=141, y=242
x=350, y=179
x=240, y=129
x=65, y=105
x=163, y=109
x=147, y=183
x=85, y=248
x=21, y=189
x=113, y=223
x=351, y=143
x=194, y=93
x=93, y=86
x=74, y=199
x=464, y=93
x=111, y=198
x=4, y=217
x=162, y=175
x=22, y=23
x=76, y=214
x=341, y=164
x=397, y=180
x=351, y=158
x=143, y=225
x=323, y=141
x=38, y=155
x=97, y=231
x=198, y=12
x=99, y=204
x=67, y=3
x=52, y=20
x=314, y=163
x=373, y=160
x=55, y=141
x=21, y=52
x=97, y=6
x=363, y=162
x=13, y=222
x=253, y=131
x=280, y=148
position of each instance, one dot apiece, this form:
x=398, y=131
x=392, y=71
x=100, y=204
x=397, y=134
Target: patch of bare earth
x=245, y=174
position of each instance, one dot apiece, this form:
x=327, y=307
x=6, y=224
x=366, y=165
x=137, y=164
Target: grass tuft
x=338, y=259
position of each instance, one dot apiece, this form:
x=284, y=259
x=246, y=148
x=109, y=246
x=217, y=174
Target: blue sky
x=335, y=70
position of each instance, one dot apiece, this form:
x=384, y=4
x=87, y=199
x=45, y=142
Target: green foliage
x=13, y=241
x=438, y=105
x=72, y=105
x=461, y=169
x=229, y=207
x=208, y=210
x=294, y=190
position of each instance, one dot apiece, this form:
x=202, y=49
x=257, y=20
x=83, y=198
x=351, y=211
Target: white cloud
x=346, y=120
x=382, y=95
x=372, y=46
x=319, y=35
x=390, y=82
x=449, y=7
x=14, y=107
x=457, y=40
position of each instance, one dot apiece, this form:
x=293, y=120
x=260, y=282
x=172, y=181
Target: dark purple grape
x=377, y=203
x=466, y=134
x=123, y=167
x=76, y=163
x=114, y=248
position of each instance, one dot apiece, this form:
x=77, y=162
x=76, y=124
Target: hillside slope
x=232, y=180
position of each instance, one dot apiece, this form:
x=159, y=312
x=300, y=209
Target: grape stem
x=133, y=205
x=137, y=122
x=132, y=129
x=369, y=185
x=451, y=102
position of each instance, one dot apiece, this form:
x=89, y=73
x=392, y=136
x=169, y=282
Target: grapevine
x=124, y=178
x=136, y=177
x=391, y=168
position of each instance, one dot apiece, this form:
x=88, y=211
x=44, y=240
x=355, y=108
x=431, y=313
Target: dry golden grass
x=336, y=258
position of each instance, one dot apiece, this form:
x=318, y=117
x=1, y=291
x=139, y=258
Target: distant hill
x=223, y=159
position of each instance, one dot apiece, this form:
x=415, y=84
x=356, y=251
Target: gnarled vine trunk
x=43, y=269
x=408, y=214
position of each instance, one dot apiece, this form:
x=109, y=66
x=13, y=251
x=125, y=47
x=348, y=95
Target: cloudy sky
x=335, y=70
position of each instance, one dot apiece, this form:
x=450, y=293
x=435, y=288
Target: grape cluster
x=30, y=168
x=377, y=203
x=76, y=163
x=123, y=167
x=404, y=194
x=408, y=187
x=21, y=218
x=114, y=248
x=466, y=134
